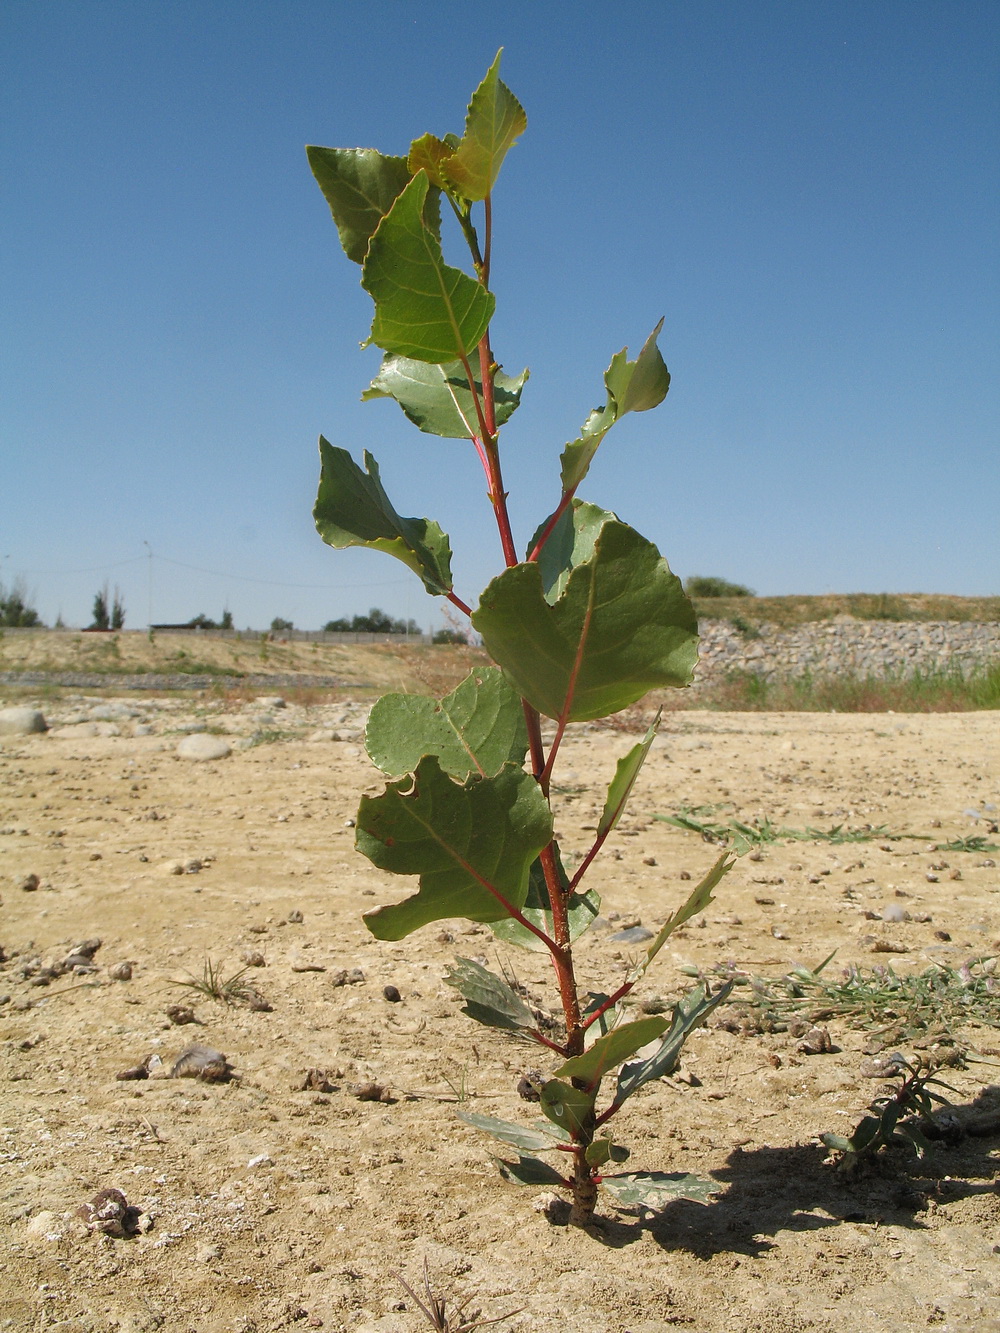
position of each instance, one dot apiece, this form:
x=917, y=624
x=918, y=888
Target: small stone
x=262, y=1159
x=317, y=1080
x=29, y=884
x=21, y=722
x=942, y=935
x=306, y=965
x=295, y=917
x=253, y=958
x=887, y=946
x=207, y=1254
x=816, y=1042
x=649, y=860
x=108, y=1212
x=179, y=1014
x=685, y=875
x=391, y=994
x=553, y=1208
x=655, y=1004
x=633, y=935
x=778, y=933
x=369, y=1091
x=530, y=1084
x=955, y=874
x=202, y=747
x=121, y=971
x=894, y=912
x=932, y=878
x=202, y=1062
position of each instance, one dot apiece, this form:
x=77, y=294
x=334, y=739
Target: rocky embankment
x=847, y=646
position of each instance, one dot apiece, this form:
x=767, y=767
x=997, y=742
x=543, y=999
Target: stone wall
x=848, y=646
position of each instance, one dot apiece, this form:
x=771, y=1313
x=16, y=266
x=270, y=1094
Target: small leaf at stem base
x=528, y=1171
x=489, y=1000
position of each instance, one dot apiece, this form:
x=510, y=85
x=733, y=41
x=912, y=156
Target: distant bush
x=702, y=585
x=375, y=622
x=450, y=636
x=15, y=611
x=281, y=626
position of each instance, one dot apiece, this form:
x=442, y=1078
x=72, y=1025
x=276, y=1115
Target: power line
x=214, y=573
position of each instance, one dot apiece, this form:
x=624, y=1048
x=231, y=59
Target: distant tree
x=375, y=622
x=702, y=585
x=100, y=613
x=201, y=621
x=118, y=610
x=227, y=620
x=15, y=610
x=281, y=626
x=449, y=636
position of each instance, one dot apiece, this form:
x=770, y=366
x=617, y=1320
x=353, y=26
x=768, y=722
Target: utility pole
x=149, y=551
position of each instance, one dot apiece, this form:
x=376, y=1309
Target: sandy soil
x=271, y=1206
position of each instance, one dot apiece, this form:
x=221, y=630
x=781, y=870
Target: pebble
x=633, y=935
x=391, y=994
x=21, y=722
x=895, y=912
x=29, y=883
x=203, y=747
x=345, y=977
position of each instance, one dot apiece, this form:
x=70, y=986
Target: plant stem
x=457, y=601
x=567, y=497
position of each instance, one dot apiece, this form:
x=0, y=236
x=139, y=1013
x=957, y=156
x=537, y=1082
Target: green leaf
x=697, y=901
x=837, y=1142
x=655, y=1189
x=603, y=1150
x=531, y=1140
x=689, y=1013
x=568, y=1107
x=437, y=398
x=424, y=309
x=620, y=627
x=459, y=839
x=632, y=386
x=581, y=911
x=611, y=1050
x=477, y=728
x=427, y=154
x=529, y=1171
x=352, y=509
x=624, y=779
x=570, y=543
x=494, y=121
x=360, y=186
x=489, y=1000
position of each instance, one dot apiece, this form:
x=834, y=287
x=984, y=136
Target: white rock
x=75, y=729
x=202, y=746
x=271, y=701
x=21, y=721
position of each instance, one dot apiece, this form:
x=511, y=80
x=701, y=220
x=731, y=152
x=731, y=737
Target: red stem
x=457, y=601
x=567, y=497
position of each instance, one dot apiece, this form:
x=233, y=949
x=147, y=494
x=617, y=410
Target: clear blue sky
x=807, y=191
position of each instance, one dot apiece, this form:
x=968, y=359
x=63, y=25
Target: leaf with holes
x=620, y=627
x=352, y=509
x=477, y=728
x=437, y=398
x=472, y=844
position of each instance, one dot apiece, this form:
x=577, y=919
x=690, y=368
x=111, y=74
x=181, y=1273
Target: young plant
x=894, y=1117
x=584, y=624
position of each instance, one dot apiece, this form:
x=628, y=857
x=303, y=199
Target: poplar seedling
x=586, y=622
